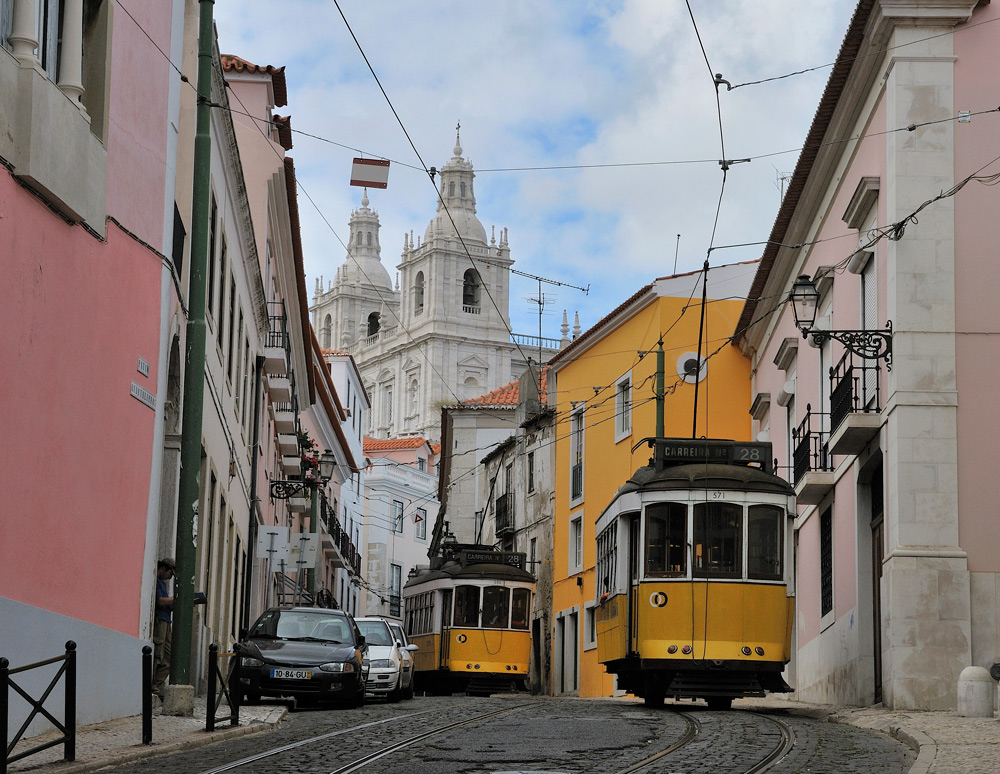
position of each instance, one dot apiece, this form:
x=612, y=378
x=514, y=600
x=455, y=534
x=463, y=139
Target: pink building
x=897, y=551
x=88, y=271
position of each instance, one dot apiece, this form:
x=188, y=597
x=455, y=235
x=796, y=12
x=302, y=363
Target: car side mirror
x=411, y=647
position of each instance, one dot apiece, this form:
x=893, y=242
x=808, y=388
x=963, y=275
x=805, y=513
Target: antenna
x=541, y=300
x=677, y=249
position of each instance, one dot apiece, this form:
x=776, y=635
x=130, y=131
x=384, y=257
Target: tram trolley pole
x=219, y=687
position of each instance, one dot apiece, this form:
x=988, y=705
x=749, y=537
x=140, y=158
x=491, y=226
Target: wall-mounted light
x=870, y=345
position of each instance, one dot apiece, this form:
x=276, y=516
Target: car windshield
x=376, y=632
x=302, y=625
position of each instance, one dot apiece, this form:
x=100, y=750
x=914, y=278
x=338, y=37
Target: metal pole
x=147, y=694
x=213, y=669
x=660, y=431
x=194, y=371
x=4, y=712
x=70, y=716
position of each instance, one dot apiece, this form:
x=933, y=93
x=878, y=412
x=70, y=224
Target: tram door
x=445, y=628
x=633, y=584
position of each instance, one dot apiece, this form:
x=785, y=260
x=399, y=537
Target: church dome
x=458, y=196
x=363, y=264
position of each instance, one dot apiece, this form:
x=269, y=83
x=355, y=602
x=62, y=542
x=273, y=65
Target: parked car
x=406, y=651
x=386, y=676
x=304, y=652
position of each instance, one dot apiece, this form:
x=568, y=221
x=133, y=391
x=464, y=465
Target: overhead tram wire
x=416, y=152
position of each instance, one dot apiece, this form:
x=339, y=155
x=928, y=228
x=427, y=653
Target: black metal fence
x=222, y=691
x=67, y=728
x=810, y=449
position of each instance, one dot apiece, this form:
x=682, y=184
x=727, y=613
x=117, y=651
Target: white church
x=442, y=335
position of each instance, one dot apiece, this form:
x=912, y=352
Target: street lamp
x=284, y=489
x=870, y=345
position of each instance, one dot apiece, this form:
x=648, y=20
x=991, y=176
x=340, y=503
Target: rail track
x=693, y=729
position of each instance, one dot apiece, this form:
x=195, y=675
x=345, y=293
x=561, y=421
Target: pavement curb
x=144, y=752
x=920, y=743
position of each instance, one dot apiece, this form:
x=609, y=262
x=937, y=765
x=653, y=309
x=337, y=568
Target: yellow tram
x=469, y=614
x=693, y=574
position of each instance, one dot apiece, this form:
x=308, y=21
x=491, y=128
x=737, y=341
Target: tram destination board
x=678, y=451
x=494, y=557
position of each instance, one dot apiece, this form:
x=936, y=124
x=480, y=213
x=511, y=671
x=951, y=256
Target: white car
x=407, y=653
x=386, y=675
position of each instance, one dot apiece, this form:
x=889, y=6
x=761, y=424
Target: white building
x=401, y=490
x=443, y=333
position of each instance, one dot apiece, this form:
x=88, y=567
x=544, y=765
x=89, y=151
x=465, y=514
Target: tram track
x=691, y=731
x=364, y=760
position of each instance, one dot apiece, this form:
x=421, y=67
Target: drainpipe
x=658, y=447
x=194, y=371
x=252, y=526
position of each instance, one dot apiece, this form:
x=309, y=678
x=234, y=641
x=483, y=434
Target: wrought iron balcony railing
x=809, y=449
x=505, y=514
x=854, y=388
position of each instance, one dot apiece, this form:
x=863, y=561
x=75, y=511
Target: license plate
x=292, y=674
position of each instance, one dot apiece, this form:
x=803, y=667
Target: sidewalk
x=944, y=742
x=118, y=742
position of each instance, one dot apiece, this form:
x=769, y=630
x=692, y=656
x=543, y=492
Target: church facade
x=442, y=334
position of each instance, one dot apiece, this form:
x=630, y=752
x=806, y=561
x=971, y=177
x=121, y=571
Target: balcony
x=283, y=417
x=279, y=388
x=812, y=468
x=298, y=504
x=471, y=308
x=855, y=404
x=291, y=464
x=288, y=443
x=505, y=514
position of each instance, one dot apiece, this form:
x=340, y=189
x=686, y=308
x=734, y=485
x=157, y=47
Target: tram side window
x=446, y=608
x=607, y=556
x=519, y=608
x=496, y=607
x=718, y=529
x=764, y=542
x=467, y=606
x=666, y=539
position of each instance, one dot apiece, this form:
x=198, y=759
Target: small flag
x=371, y=173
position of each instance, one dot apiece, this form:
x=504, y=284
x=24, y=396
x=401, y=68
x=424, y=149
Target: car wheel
x=395, y=694
x=408, y=692
x=251, y=697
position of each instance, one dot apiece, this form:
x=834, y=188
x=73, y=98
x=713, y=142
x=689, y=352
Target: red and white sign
x=371, y=173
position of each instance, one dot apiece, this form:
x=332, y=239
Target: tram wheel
x=653, y=700
x=719, y=702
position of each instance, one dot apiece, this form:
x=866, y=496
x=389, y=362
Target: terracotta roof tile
x=231, y=62
x=393, y=444
x=508, y=395
x=284, y=126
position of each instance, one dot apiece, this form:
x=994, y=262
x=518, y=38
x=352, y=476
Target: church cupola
x=459, y=197
x=363, y=264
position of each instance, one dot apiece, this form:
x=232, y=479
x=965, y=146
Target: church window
x=373, y=324
x=418, y=293
x=327, y=331
x=462, y=188
x=451, y=189
x=413, y=392
x=369, y=238
x=470, y=291
x=471, y=388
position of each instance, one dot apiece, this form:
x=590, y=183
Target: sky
x=617, y=93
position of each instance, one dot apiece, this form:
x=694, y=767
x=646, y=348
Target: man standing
x=161, y=625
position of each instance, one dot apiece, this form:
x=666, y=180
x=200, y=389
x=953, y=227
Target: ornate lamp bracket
x=870, y=345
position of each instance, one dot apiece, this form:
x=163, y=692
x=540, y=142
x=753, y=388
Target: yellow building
x=603, y=389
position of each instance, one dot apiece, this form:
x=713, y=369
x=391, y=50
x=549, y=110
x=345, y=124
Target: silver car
x=384, y=659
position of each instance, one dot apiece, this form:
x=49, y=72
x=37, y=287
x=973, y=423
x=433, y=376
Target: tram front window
x=718, y=528
x=496, y=607
x=519, y=609
x=666, y=539
x=764, y=542
x=467, y=606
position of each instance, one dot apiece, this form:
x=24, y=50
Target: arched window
x=418, y=293
x=462, y=189
x=471, y=388
x=327, y=330
x=369, y=238
x=470, y=290
x=359, y=239
x=373, y=324
x=451, y=189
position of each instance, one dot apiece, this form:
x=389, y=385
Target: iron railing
x=854, y=388
x=222, y=689
x=810, y=446
x=67, y=727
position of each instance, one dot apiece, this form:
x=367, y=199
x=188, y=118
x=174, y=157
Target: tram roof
x=710, y=475
x=479, y=571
